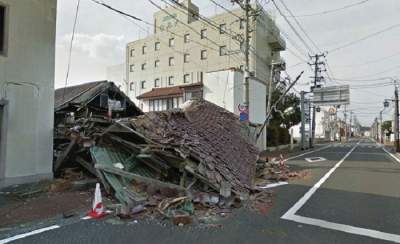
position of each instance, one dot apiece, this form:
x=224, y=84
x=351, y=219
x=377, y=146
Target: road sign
x=332, y=95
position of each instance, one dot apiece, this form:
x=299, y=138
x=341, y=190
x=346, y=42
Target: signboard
x=332, y=95
x=243, y=113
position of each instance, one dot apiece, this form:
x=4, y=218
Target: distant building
x=27, y=55
x=183, y=49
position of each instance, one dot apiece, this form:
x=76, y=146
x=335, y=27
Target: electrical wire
x=70, y=48
x=363, y=38
x=332, y=10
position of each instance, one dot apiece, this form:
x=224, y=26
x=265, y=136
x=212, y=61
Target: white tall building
x=170, y=66
x=27, y=55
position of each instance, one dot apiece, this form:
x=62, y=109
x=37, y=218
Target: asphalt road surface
x=351, y=196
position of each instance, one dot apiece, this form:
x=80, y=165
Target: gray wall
x=27, y=84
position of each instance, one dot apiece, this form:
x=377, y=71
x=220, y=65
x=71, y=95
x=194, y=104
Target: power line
x=369, y=62
x=363, y=38
x=292, y=27
x=332, y=10
x=300, y=26
x=70, y=47
x=227, y=10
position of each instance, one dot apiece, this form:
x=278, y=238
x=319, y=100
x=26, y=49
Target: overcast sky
x=101, y=37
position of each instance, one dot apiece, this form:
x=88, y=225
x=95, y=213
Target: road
x=352, y=196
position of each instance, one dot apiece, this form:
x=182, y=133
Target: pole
x=316, y=69
x=350, y=124
x=271, y=79
x=303, y=123
x=396, y=119
x=345, y=122
x=309, y=125
x=247, y=58
x=381, y=127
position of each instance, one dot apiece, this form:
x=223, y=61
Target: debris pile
x=174, y=164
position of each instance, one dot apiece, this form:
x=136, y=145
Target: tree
x=387, y=126
x=278, y=129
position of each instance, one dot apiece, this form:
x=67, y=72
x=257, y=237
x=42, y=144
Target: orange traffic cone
x=98, y=207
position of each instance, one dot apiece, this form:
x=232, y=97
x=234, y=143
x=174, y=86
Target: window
x=144, y=49
x=157, y=63
x=203, y=54
x=186, y=57
x=131, y=86
x=186, y=78
x=144, y=66
x=170, y=103
x=222, y=28
x=242, y=24
x=132, y=53
x=186, y=38
x=157, y=82
x=203, y=33
x=171, y=42
x=171, y=61
x=143, y=84
x=241, y=67
x=3, y=34
x=171, y=80
x=222, y=51
x=132, y=67
x=157, y=46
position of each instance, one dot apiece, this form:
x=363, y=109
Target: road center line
x=292, y=211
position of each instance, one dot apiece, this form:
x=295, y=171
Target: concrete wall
x=27, y=84
x=225, y=88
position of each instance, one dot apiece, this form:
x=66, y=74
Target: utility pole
x=351, y=122
x=396, y=118
x=381, y=127
x=345, y=123
x=303, y=120
x=316, y=84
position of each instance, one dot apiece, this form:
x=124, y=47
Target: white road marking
x=391, y=154
x=13, y=238
x=315, y=159
x=300, y=155
x=273, y=185
x=291, y=213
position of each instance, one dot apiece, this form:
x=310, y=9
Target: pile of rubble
x=172, y=163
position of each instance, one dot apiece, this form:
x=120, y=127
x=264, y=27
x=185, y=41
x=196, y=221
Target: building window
x=203, y=54
x=222, y=28
x=144, y=66
x=171, y=42
x=222, y=51
x=143, y=84
x=132, y=53
x=171, y=61
x=157, y=63
x=170, y=103
x=171, y=81
x=157, y=82
x=131, y=86
x=242, y=24
x=186, y=38
x=186, y=78
x=144, y=49
x=157, y=46
x=132, y=67
x=203, y=33
x=3, y=34
x=241, y=67
x=186, y=57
